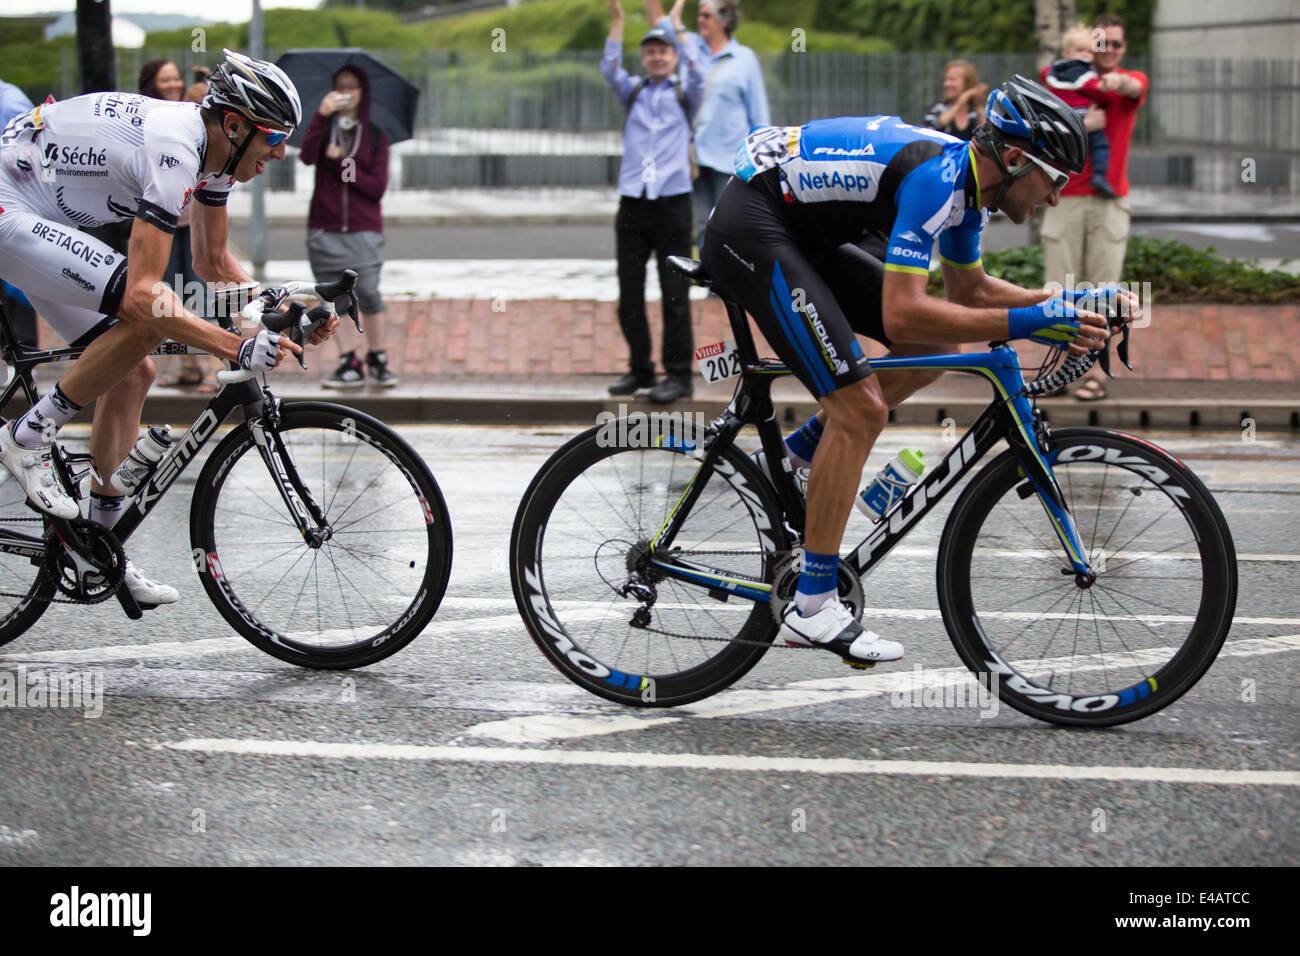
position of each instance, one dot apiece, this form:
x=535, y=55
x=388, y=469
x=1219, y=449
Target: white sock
x=809, y=604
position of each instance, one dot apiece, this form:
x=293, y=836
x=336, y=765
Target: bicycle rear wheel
x=582, y=535
x=1101, y=652
x=368, y=588
x=25, y=590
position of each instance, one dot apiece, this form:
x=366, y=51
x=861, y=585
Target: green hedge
x=1176, y=271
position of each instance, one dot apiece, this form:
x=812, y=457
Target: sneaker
x=800, y=474
x=34, y=470
x=671, y=390
x=377, y=364
x=835, y=629
x=147, y=592
x=350, y=373
x=631, y=383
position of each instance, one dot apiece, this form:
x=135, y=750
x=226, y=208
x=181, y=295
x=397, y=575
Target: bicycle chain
x=44, y=573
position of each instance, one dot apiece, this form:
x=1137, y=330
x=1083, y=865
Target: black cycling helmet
x=1023, y=110
x=1026, y=114
x=255, y=89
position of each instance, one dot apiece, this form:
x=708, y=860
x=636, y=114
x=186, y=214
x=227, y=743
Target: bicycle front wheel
x=1096, y=652
x=606, y=619
x=361, y=588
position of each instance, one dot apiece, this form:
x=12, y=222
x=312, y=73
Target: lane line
x=547, y=727
x=731, y=762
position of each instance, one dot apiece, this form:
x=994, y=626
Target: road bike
x=318, y=533
x=1088, y=571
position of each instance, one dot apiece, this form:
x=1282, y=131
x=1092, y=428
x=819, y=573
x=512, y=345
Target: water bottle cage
x=896, y=489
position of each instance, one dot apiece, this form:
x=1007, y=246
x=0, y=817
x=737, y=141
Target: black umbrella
x=392, y=96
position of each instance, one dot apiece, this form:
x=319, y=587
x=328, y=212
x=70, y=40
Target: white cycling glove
x=259, y=353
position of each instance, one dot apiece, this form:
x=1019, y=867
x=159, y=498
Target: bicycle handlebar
x=1076, y=366
x=296, y=320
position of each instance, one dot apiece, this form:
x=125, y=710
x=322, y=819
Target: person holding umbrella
x=345, y=226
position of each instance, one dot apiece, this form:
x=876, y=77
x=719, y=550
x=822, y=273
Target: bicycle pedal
x=860, y=665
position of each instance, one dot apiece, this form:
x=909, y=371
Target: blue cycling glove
x=1051, y=323
x=1102, y=300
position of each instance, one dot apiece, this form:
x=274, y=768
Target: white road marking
x=544, y=727
x=128, y=652
x=733, y=762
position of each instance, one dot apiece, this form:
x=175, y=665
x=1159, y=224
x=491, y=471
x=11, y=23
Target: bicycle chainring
x=71, y=574
x=786, y=578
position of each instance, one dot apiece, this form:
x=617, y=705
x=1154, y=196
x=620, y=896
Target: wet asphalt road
x=209, y=752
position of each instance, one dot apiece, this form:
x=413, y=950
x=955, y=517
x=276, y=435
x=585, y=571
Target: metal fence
x=524, y=118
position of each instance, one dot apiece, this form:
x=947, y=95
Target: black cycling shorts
x=807, y=305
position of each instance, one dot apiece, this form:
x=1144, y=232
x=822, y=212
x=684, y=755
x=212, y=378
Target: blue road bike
x=1086, y=570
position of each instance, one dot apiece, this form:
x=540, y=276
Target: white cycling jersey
x=85, y=162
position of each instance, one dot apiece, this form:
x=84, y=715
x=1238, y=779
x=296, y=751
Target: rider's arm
x=213, y=261
x=148, y=300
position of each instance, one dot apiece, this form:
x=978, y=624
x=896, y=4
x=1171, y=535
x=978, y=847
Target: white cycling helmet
x=255, y=89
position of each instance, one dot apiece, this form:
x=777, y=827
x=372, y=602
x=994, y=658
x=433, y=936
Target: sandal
x=1090, y=391
x=188, y=378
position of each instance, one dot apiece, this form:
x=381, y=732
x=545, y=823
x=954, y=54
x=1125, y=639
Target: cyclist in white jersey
x=107, y=157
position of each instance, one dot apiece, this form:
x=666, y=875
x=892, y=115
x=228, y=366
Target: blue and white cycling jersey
x=845, y=178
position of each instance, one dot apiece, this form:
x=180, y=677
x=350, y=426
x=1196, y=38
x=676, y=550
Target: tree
x=96, y=59
x=1051, y=19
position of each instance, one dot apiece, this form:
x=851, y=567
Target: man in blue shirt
x=735, y=100
x=654, y=211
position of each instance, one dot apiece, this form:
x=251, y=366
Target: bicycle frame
x=1010, y=415
x=258, y=406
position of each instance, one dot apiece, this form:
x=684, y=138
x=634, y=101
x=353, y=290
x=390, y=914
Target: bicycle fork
x=308, y=516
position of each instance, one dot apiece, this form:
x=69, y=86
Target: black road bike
x=1087, y=570
x=318, y=533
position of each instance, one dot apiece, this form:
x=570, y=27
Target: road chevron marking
x=732, y=762
x=538, y=728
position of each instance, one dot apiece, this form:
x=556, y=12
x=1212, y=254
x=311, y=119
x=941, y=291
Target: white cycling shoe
x=835, y=629
x=33, y=469
x=146, y=591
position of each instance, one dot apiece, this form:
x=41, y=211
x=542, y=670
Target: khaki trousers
x=1084, y=239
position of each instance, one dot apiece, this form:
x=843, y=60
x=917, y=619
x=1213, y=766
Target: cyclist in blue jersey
x=788, y=240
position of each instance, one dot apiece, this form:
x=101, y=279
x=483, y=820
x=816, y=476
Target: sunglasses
x=274, y=137
x=1058, y=178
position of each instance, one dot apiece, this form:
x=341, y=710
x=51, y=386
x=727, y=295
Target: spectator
x=654, y=183
x=22, y=317
x=1086, y=234
x=962, y=108
x=345, y=226
x=1074, y=80
x=735, y=100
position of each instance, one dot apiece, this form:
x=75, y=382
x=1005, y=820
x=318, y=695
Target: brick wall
x=451, y=337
